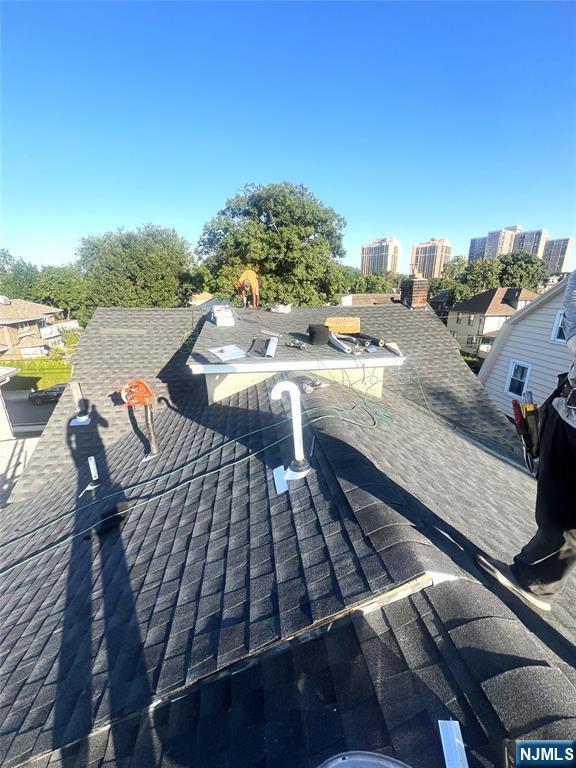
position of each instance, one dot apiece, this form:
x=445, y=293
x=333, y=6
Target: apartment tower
x=497, y=243
x=428, y=259
x=556, y=253
x=381, y=256
x=532, y=242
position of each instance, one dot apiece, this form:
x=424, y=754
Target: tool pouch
x=543, y=412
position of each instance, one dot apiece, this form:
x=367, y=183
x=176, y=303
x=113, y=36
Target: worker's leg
x=544, y=563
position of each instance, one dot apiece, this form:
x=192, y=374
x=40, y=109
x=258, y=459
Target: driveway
x=25, y=417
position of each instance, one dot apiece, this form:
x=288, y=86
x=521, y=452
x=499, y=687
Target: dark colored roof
x=118, y=345
x=440, y=296
x=495, y=302
x=433, y=374
x=168, y=640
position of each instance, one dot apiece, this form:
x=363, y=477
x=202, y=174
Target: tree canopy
x=141, y=268
x=291, y=239
x=466, y=279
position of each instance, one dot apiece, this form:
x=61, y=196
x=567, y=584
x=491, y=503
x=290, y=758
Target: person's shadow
x=101, y=666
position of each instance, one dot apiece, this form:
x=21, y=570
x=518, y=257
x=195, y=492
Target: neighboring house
x=474, y=322
x=27, y=329
x=529, y=352
x=205, y=300
x=439, y=304
x=368, y=299
x=219, y=621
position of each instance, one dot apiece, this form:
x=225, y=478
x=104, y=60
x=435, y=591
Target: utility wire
x=172, y=490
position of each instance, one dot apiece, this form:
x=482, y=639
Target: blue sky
x=412, y=119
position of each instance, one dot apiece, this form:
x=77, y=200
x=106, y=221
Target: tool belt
x=531, y=420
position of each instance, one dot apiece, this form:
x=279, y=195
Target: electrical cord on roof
x=179, y=485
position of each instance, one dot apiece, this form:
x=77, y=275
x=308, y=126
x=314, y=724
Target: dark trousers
x=544, y=563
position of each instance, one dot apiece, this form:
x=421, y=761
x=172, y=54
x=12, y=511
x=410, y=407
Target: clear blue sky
x=412, y=119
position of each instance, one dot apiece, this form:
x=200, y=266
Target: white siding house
x=528, y=353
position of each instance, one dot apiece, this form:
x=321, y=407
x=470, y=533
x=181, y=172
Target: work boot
x=504, y=575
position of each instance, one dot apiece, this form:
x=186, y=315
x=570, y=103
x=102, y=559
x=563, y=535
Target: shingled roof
x=220, y=623
x=19, y=310
x=496, y=302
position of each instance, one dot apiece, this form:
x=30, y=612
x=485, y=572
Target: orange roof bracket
x=251, y=278
x=137, y=392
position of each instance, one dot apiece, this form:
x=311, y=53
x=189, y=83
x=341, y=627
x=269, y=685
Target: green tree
x=142, y=268
x=285, y=234
x=482, y=274
x=63, y=287
x=452, y=276
x=378, y=284
x=353, y=280
x=522, y=270
x=17, y=277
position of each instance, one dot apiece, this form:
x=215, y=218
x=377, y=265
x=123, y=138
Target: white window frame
x=528, y=367
x=556, y=327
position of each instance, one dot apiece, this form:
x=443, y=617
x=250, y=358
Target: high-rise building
x=496, y=243
x=381, y=256
x=477, y=248
x=500, y=242
x=556, y=253
x=428, y=259
x=532, y=242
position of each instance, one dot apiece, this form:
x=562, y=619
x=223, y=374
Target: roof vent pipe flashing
x=299, y=466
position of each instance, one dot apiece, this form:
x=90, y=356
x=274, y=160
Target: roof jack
x=82, y=419
x=299, y=466
x=93, y=484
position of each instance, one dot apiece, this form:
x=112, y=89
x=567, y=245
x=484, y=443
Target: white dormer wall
x=528, y=342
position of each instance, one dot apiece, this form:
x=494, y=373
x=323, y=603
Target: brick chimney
x=414, y=292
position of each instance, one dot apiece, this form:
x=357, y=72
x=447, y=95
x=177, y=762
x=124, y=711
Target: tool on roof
x=297, y=345
x=248, y=285
x=263, y=347
x=367, y=340
x=222, y=315
x=309, y=386
x=137, y=392
x=318, y=334
x=349, y=349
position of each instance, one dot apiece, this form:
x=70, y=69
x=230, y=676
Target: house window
x=471, y=341
x=459, y=318
x=518, y=375
x=558, y=336
x=470, y=319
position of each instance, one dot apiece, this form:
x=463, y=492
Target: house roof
x=495, y=302
x=20, y=310
x=440, y=296
x=224, y=624
x=369, y=299
x=32, y=341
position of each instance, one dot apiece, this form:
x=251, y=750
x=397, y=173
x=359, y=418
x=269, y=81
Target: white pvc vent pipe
x=296, y=412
